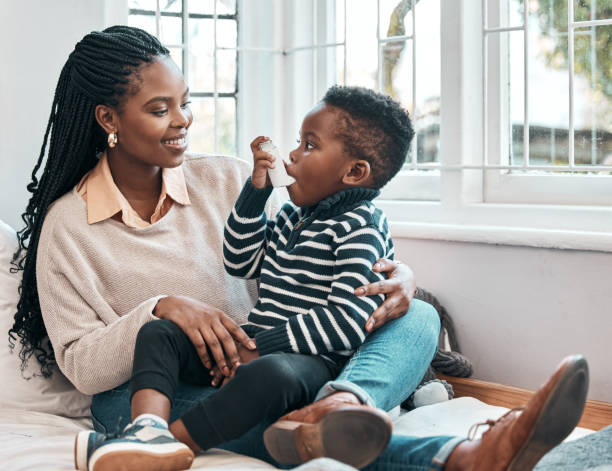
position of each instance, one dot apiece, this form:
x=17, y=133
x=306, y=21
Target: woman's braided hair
x=102, y=69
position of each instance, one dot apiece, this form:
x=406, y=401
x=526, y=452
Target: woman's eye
x=159, y=112
x=186, y=104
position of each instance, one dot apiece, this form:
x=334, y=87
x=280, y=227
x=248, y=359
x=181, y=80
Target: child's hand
x=262, y=161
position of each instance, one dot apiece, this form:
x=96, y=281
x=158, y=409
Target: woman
x=135, y=236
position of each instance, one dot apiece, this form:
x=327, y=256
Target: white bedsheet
x=43, y=442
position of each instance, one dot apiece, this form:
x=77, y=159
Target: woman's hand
x=262, y=161
x=399, y=287
x=206, y=326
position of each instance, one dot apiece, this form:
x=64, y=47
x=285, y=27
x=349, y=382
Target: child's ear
x=358, y=173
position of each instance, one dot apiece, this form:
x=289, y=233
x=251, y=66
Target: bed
x=39, y=417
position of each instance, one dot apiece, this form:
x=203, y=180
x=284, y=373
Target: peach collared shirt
x=104, y=199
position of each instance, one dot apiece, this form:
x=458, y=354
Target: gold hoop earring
x=112, y=139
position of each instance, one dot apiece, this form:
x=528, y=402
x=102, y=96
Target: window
x=202, y=36
x=548, y=101
x=511, y=100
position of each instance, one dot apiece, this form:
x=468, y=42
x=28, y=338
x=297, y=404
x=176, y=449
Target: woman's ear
x=107, y=118
x=358, y=174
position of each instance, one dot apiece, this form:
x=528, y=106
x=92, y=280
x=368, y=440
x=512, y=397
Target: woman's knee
x=425, y=314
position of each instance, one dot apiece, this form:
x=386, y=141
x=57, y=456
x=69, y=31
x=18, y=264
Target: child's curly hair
x=373, y=127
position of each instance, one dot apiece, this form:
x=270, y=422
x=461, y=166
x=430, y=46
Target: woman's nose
x=182, y=118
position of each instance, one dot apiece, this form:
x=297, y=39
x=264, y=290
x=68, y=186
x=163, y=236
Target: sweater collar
x=341, y=202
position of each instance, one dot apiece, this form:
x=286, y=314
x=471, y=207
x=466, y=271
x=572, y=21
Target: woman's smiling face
x=319, y=163
x=152, y=124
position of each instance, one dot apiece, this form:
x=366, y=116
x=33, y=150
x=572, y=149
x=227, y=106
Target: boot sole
x=355, y=437
x=558, y=417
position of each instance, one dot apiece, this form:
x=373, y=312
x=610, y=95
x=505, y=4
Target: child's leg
x=162, y=355
x=265, y=388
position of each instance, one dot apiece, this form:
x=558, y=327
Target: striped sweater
x=309, y=261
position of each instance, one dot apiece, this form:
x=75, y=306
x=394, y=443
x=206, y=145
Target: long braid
x=102, y=69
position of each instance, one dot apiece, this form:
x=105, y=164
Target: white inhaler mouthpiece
x=278, y=174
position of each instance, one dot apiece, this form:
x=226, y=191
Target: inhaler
x=278, y=174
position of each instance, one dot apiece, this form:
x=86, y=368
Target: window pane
x=226, y=109
x=398, y=68
x=551, y=16
x=201, y=47
x=593, y=95
x=205, y=7
x=202, y=131
x=513, y=42
x=226, y=71
x=176, y=53
x=505, y=13
x=395, y=18
x=226, y=33
x=175, y=6
x=548, y=83
x=226, y=7
x=426, y=115
x=171, y=30
x=150, y=5
x=145, y=22
x=585, y=10
x=361, y=47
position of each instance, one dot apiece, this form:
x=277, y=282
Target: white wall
x=519, y=310
x=36, y=38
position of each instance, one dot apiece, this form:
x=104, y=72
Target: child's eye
x=309, y=145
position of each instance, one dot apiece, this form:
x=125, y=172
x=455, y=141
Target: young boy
x=309, y=259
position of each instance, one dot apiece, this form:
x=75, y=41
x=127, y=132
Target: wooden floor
x=596, y=415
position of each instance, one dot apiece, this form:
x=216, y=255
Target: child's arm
x=340, y=325
x=247, y=230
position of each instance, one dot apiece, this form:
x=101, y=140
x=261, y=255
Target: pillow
x=28, y=390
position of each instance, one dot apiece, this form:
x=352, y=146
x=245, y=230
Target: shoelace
x=490, y=423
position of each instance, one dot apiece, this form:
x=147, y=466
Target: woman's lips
x=179, y=143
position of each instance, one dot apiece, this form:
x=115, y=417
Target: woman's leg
x=390, y=364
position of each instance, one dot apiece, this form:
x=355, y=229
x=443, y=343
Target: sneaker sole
x=125, y=457
x=354, y=437
x=80, y=450
x=558, y=417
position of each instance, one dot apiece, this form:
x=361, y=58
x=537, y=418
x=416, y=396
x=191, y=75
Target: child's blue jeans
x=384, y=371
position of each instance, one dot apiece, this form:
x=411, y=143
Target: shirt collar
x=104, y=199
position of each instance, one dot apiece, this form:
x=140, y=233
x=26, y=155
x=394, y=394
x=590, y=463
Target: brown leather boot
x=336, y=427
x=518, y=440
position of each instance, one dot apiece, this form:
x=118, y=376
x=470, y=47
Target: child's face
x=319, y=162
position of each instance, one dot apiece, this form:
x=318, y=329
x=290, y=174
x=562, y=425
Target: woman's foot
x=144, y=444
x=337, y=427
x=520, y=438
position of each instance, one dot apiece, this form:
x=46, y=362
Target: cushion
x=28, y=390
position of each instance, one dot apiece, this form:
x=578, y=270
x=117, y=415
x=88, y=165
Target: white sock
x=154, y=417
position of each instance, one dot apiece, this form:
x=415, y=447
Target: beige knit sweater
x=99, y=283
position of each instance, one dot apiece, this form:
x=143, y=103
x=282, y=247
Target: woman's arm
x=400, y=287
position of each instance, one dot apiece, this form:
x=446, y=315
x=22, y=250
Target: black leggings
x=264, y=389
